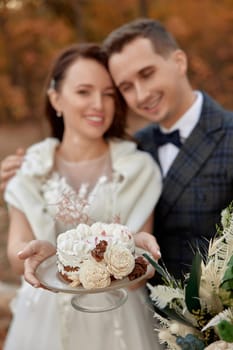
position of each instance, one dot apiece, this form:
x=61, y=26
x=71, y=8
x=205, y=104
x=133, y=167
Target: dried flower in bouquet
x=199, y=311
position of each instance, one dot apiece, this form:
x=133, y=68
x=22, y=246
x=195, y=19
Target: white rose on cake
x=94, y=275
x=120, y=261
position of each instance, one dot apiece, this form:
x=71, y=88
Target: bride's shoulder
x=128, y=151
x=39, y=158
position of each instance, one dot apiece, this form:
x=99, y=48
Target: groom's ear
x=181, y=60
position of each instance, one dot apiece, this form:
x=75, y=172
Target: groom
x=191, y=137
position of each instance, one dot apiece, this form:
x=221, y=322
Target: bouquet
x=197, y=314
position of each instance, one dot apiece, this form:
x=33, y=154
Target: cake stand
x=87, y=300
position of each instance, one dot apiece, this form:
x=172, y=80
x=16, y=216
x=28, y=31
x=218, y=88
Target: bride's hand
x=148, y=242
x=9, y=166
x=33, y=254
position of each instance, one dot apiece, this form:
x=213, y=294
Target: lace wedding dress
x=45, y=320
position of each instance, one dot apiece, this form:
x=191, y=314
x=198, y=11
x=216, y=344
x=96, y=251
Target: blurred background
x=33, y=31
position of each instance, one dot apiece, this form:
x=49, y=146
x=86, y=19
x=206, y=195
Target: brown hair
x=162, y=41
x=57, y=73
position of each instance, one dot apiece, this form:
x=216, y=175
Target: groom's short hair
x=162, y=41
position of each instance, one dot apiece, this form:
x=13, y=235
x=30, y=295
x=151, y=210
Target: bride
x=89, y=170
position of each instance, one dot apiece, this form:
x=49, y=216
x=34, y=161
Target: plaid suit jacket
x=198, y=186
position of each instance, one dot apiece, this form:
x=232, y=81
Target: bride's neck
x=75, y=150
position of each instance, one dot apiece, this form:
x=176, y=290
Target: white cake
x=95, y=255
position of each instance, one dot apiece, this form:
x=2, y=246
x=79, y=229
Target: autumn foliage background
x=33, y=31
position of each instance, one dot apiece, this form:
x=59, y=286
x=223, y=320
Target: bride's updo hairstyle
x=56, y=75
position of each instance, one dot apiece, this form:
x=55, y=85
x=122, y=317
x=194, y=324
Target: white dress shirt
x=168, y=152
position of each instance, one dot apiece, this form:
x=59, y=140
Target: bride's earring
x=59, y=114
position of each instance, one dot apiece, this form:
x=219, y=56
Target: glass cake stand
x=104, y=301
x=87, y=300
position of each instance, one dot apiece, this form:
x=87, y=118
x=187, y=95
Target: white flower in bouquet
x=199, y=312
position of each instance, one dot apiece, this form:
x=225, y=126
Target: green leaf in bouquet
x=230, y=264
x=158, y=268
x=227, y=281
x=226, y=297
x=173, y=315
x=227, y=285
x=225, y=331
x=162, y=271
x=193, y=284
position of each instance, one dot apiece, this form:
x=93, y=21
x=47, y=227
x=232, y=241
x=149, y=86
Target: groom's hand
x=9, y=167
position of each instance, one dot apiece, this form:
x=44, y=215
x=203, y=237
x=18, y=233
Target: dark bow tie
x=161, y=138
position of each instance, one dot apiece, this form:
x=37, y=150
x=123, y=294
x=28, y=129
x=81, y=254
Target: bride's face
x=86, y=99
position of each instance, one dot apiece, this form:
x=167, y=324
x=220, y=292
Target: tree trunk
x=77, y=6
x=143, y=8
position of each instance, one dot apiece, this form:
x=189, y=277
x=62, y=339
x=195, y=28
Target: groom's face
x=150, y=83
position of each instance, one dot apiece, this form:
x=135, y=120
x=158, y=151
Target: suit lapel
x=194, y=153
